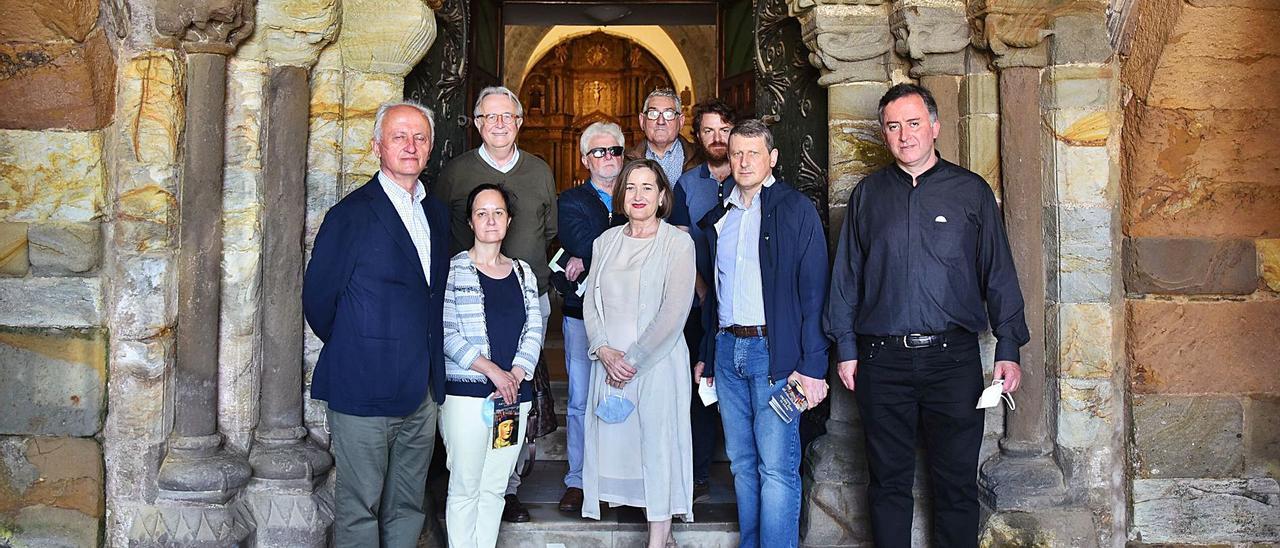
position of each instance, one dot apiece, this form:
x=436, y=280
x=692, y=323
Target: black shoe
x=514, y=512
x=701, y=492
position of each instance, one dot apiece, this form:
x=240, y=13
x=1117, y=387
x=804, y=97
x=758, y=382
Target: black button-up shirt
x=924, y=259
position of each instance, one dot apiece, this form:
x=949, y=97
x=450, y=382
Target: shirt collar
x=515, y=157
x=675, y=145
x=396, y=192
x=735, y=195
x=938, y=165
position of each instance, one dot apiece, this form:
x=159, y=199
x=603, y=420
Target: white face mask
x=993, y=394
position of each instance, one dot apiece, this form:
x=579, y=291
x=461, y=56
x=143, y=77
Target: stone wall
x=1202, y=270
x=57, y=77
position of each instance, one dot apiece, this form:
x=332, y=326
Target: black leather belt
x=746, y=331
x=918, y=340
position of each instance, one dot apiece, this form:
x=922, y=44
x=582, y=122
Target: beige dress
x=639, y=295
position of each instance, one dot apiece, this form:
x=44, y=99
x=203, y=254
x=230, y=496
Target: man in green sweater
x=498, y=116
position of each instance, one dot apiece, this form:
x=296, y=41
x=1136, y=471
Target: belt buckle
x=906, y=341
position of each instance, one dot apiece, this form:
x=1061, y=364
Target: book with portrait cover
x=790, y=402
x=506, y=423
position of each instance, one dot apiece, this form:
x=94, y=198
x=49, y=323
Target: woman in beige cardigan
x=638, y=296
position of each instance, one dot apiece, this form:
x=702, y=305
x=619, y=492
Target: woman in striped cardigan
x=492, y=338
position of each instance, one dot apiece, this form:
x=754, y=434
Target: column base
x=1008, y=482
x=188, y=525
x=295, y=458
x=199, y=469
x=834, y=508
x=288, y=513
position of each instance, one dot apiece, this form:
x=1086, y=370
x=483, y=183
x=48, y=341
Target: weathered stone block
x=1206, y=174
x=1080, y=37
x=145, y=295
x=51, y=302
x=1269, y=258
x=55, y=472
x=979, y=94
x=855, y=100
x=58, y=84
x=13, y=249
x=1199, y=511
x=1203, y=347
x=1262, y=436
x=1084, y=273
x=1081, y=86
x=1190, y=266
x=1073, y=528
x=60, y=249
x=54, y=381
x=41, y=525
x=47, y=20
x=980, y=148
x=1084, y=173
x=51, y=175
x=1085, y=334
x=1086, y=412
x=151, y=116
x=1188, y=436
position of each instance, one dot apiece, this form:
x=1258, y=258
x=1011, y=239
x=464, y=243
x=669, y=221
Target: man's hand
x=848, y=371
x=1010, y=372
x=615, y=366
x=697, y=374
x=815, y=390
x=573, y=269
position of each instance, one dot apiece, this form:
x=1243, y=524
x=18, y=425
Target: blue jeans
x=764, y=452
x=579, y=369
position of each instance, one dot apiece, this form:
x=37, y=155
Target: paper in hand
x=707, y=392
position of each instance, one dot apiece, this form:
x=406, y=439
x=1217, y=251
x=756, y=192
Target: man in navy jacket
x=374, y=293
x=764, y=253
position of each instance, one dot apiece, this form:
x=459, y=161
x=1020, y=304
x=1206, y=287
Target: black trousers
x=935, y=388
x=704, y=421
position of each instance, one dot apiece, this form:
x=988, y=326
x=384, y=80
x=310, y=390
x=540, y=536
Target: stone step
x=715, y=525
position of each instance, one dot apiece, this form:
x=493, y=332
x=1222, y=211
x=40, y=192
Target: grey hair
x=753, y=127
x=498, y=90
x=600, y=128
x=382, y=113
x=663, y=92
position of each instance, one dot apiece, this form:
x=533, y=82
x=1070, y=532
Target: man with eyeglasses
x=584, y=215
x=498, y=116
x=696, y=193
x=661, y=119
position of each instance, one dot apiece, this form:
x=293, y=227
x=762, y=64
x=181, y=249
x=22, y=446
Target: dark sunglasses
x=599, y=152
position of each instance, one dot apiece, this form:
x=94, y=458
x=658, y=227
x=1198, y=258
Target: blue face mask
x=486, y=412
x=615, y=408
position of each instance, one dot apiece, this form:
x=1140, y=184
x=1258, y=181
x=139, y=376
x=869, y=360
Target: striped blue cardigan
x=465, y=331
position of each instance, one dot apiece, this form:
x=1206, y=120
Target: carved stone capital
x=932, y=34
x=214, y=26
x=385, y=36
x=1013, y=30
x=848, y=42
x=293, y=32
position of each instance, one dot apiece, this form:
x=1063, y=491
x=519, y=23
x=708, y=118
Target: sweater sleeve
x=459, y=353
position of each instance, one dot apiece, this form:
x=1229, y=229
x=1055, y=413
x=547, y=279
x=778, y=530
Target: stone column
x=850, y=44
x=286, y=463
x=196, y=467
x=1024, y=473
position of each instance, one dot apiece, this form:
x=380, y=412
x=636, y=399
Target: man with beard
x=697, y=192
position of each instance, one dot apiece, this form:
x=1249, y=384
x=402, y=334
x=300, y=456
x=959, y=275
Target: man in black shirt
x=922, y=266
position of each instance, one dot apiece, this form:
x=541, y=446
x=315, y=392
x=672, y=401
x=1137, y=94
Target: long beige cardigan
x=659, y=353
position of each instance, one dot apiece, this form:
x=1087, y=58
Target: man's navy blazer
x=381, y=320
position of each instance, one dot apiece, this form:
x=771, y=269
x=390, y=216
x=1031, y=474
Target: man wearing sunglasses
x=584, y=215
x=661, y=119
x=498, y=116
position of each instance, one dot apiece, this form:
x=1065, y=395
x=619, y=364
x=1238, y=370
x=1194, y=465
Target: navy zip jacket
x=794, y=273
x=582, y=218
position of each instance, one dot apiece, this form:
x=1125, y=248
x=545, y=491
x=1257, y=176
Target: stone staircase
x=715, y=522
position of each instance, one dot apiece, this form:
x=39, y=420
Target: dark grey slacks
x=381, y=481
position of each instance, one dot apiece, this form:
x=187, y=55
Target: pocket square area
x=939, y=219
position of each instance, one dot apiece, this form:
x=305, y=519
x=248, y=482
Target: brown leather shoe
x=514, y=512
x=571, y=502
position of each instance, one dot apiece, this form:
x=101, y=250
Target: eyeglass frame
x=492, y=117
x=616, y=151
x=668, y=114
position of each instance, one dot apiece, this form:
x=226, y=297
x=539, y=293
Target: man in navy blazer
x=374, y=293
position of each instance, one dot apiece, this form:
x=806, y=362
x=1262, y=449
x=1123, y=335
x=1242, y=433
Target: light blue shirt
x=739, y=287
x=604, y=197
x=409, y=207
x=672, y=163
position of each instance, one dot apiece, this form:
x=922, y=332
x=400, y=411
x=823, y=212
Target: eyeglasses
x=654, y=113
x=506, y=117
x=599, y=152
